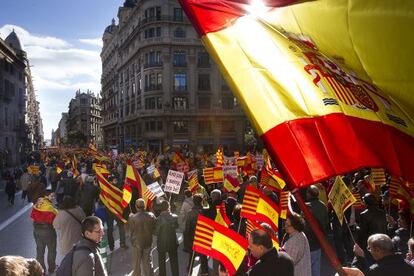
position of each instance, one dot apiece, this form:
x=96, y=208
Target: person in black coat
x=167, y=242
x=270, y=261
x=11, y=190
x=387, y=262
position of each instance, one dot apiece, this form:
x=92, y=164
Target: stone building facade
x=16, y=138
x=160, y=87
x=84, y=117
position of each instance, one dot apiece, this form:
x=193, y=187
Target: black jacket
x=393, y=265
x=165, y=228
x=372, y=222
x=273, y=263
x=189, y=228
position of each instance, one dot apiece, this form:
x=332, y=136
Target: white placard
x=156, y=189
x=231, y=170
x=173, y=182
x=150, y=169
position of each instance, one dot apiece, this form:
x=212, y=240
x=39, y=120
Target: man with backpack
x=79, y=261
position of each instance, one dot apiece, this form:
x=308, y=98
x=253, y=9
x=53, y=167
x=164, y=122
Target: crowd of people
x=375, y=239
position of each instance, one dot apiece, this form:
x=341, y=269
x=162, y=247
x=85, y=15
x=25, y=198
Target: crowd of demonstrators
x=77, y=192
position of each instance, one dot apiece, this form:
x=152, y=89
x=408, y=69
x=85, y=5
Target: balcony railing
x=153, y=87
x=153, y=64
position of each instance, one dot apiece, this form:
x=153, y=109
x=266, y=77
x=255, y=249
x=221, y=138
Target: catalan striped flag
x=284, y=204
x=221, y=217
x=134, y=179
x=358, y=204
x=281, y=68
x=193, y=181
x=220, y=243
x=271, y=171
x=378, y=176
x=252, y=225
x=75, y=166
x=110, y=196
x=213, y=175
x=267, y=180
x=257, y=206
x=101, y=168
x=219, y=157
x=398, y=191
x=231, y=184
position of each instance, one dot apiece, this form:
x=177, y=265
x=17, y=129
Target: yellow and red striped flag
x=284, y=204
x=378, y=176
x=341, y=198
x=75, y=166
x=358, y=204
x=110, y=196
x=213, y=175
x=221, y=217
x=398, y=191
x=267, y=180
x=219, y=157
x=193, y=181
x=257, y=206
x=101, y=168
x=317, y=115
x=134, y=179
x=252, y=225
x=231, y=184
x=220, y=243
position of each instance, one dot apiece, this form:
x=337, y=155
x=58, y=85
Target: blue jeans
x=316, y=262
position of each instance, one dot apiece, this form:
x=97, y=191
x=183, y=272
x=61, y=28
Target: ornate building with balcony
x=16, y=122
x=160, y=87
x=83, y=121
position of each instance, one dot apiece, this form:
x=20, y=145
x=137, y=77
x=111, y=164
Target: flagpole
x=330, y=253
x=349, y=229
x=190, y=269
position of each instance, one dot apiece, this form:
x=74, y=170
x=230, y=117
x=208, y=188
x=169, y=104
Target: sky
x=63, y=41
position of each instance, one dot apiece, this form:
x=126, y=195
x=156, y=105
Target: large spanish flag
x=43, y=211
x=134, y=179
x=220, y=243
x=327, y=84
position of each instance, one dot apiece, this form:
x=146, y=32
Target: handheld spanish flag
x=257, y=206
x=110, y=196
x=220, y=243
x=341, y=198
x=304, y=74
x=221, y=217
x=231, y=184
x=134, y=179
x=126, y=195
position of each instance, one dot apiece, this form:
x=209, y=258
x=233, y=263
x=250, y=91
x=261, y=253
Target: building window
x=152, y=14
x=228, y=102
x=179, y=33
x=180, y=103
x=153, y=82
x=204, y=127
x=180, y=82
x=178, y=14
x=83, y=101
x=203, y=82
x=179, y=59
x=153, y=126
x=153, y=103
x=227, y=126
x=180, y=127
x=204, y=102
x=152, y=32
x=153, y=58
x=203, y=60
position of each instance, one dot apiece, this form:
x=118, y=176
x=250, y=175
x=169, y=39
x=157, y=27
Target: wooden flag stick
x=190, y=268
x=349, y=229
x=330, y=253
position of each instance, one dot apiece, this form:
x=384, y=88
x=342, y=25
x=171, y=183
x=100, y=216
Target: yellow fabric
x=264, y=208
x=266, y=68
x=231, y=249
x=341, y=198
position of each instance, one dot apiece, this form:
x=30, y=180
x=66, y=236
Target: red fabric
x=214, y=15
x=314, y=149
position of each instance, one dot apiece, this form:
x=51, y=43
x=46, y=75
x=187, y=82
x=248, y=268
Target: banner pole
x=190, y=268
x=349, y=229
x=330, y=253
